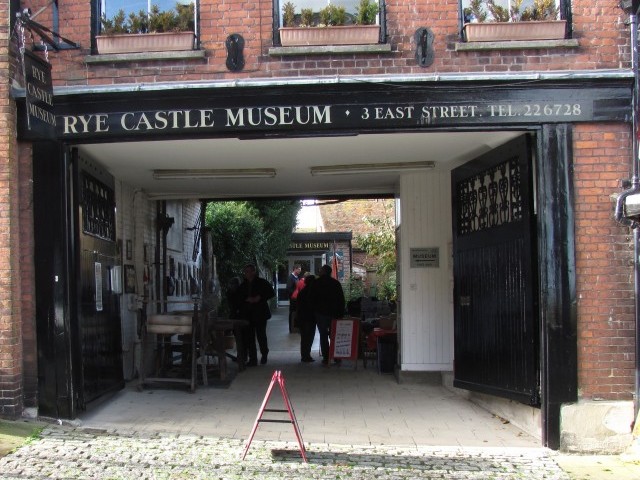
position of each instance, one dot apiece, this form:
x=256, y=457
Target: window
x=350, y=6
x=144, y=16
x=511, y=10
x=109, y=8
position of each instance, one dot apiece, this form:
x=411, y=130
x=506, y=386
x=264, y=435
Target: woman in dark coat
x=306, y=318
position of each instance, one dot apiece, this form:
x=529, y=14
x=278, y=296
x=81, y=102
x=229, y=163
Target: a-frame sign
x=277, y=378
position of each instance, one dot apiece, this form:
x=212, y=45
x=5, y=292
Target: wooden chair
x=219, y=338
x=175, y=341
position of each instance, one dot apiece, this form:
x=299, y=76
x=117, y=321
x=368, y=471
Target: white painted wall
x=136, y=223
x=426, y=294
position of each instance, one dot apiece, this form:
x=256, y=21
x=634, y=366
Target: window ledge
x=515, y=45
x=329, y=49
x=144, y=56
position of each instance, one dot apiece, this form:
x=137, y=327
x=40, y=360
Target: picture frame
x=175, y=233
x=129, y=249
x=129, y=279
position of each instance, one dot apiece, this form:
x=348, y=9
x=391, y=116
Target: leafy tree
x=236, y=239
x=381, y=244
x=279, y=217
x=244, y=232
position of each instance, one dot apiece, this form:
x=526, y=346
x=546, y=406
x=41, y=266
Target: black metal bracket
x=48, y=36
x=424, y=46
x=235, y=46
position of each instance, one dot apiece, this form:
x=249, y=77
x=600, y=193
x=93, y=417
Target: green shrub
x=306, y=17
x=333, y=15
x=367, y=12
x=288, y=14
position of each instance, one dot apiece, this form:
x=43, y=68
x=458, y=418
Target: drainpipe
x=620, y=204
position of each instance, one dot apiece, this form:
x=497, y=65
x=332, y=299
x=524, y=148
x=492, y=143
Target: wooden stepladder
x=279, y=379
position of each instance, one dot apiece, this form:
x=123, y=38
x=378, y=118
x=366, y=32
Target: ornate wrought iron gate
x=496, y=333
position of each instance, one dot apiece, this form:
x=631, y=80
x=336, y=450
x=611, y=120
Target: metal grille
x=98, y=208
x=490, y=199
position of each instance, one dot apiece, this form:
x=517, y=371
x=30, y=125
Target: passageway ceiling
x=134, y=162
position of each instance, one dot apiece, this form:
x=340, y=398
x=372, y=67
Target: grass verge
x=16, y=434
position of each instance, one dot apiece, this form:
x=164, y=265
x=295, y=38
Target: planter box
x=342, y=35
x=145, y=42
x=506, y=31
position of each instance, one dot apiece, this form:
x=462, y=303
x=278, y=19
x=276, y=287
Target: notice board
x=344, y=338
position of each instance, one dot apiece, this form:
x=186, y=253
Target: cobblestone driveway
x=76, y=453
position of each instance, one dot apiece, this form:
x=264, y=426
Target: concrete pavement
x=354, y=423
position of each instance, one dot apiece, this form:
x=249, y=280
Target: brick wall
x=27, y=277
x=604, y=264
x=597, y=25
x=11, y=354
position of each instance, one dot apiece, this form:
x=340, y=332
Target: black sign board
x=40, y=114
x=255, y=112
x=238, y=112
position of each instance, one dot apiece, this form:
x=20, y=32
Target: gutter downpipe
x=620, y=205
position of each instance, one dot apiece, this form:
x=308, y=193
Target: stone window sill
x=329, y=49
x=515, y=45
x=144, y=57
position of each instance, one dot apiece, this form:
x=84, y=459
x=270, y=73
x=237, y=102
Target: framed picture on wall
x=174, y=235
x=129, y=279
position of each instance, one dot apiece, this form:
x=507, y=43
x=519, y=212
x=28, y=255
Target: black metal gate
x=99, y=332
x=496, y=334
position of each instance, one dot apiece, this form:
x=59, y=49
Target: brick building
x=360, y=217
x=503, y=156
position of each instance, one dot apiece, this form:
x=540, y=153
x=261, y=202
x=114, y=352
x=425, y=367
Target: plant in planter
x=332, y=16
x=330, y=26
x=288, y=14
x=306, y=17
x=141, y=32
x=487, y=20
x=367, y=12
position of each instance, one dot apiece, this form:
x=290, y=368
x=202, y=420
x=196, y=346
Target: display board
x=344, y=337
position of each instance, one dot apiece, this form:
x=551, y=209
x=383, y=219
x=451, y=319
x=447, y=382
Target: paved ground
x=356, y=424
x=87, y=454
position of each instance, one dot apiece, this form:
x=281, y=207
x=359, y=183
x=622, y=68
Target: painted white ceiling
x=133, y=162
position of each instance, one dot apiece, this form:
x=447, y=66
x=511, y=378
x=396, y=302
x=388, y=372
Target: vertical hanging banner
x=40, y=114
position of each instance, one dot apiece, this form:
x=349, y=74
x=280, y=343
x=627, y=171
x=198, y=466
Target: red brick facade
x=604, y=259
x=600, y=30
x=604, y=256
x=11, y=345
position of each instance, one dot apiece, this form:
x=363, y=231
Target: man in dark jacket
x=255, y=292
x=292, y=283
x=328, y=303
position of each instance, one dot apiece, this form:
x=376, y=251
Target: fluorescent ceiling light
x=370, y=168
x=213, y=173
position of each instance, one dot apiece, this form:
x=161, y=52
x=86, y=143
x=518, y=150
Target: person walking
x=328, y=303
x=306, y=317
x=240, y=325
x=255, y=293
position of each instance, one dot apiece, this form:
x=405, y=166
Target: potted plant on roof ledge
x=485, y=21
x=158, y=31
x=330, y=26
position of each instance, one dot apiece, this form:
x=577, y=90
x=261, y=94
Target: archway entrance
x=335, y=140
